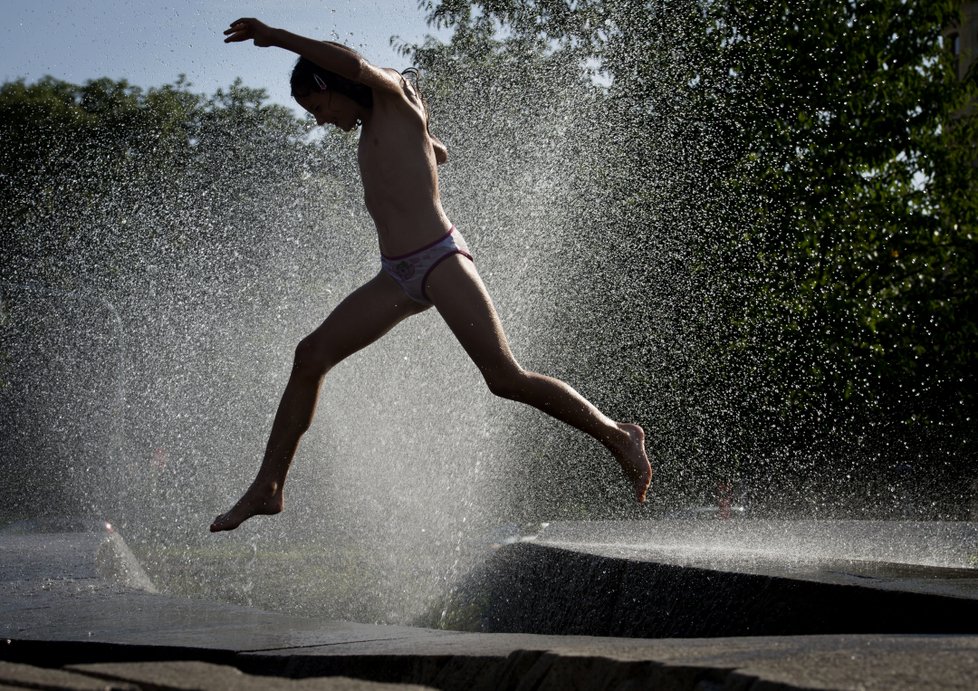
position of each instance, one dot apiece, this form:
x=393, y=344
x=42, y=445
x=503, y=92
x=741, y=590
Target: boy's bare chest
x=390, y=162
x=377, y=163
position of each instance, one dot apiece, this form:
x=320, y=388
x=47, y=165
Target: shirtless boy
x=424, y=262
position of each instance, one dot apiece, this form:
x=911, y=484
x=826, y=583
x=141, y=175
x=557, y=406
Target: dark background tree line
x=808, y=169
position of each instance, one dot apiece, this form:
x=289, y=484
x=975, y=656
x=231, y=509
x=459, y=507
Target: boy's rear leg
x=633, y=459
x=463, y=301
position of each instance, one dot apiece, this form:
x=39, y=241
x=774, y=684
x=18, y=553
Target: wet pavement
x=76, y=612
x=668, y=579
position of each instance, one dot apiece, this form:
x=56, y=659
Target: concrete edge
x=449, y=660
x=520, y=669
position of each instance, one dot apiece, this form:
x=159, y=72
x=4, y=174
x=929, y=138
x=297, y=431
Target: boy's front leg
x=265, y=496
x=261, y=499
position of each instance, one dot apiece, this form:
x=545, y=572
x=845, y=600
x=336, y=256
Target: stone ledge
x=545, y=589
x=57, y=612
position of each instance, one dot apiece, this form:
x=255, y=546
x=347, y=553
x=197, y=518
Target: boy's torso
x=399, y=173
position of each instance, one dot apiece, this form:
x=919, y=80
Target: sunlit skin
x=398, y=158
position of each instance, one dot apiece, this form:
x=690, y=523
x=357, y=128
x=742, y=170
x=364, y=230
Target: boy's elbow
x=441, y=152
x=360, y=68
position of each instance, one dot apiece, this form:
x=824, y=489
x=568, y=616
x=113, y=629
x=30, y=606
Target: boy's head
x=308, y=78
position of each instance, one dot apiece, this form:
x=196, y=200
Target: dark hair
x=303, y=83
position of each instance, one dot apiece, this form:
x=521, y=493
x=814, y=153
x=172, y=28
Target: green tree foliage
x=867, y=182
x=833, y=195
x=82, y=165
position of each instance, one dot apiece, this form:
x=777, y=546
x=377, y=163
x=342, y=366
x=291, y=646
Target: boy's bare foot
x=634, y=461
x=264, y=500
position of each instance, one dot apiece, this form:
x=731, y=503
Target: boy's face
x=331, y=108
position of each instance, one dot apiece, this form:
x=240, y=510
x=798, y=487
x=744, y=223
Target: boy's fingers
x=235, y=35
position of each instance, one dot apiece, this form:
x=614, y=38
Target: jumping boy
x=424, y=262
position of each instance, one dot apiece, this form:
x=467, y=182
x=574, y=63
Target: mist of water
x=140, y=384
x=142, y=381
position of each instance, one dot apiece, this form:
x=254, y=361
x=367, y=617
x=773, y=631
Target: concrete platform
x=663, y=579
x=76, y=613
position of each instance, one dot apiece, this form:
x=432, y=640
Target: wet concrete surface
x=930, y=558
x=75, y=606
x=951, y=544
x=735, y=578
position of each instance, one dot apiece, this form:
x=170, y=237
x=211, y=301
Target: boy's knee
x=311, y=357
x=506, y=382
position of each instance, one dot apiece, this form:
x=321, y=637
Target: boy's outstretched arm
x=334, y=57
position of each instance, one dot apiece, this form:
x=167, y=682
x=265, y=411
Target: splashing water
x=149, y=320
x=146, y=365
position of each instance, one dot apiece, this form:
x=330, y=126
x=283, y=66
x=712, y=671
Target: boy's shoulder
x=401, y=95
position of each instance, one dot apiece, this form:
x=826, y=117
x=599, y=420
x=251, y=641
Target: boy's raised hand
x=245, y=29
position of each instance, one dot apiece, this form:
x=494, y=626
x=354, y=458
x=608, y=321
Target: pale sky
x=151, y=43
